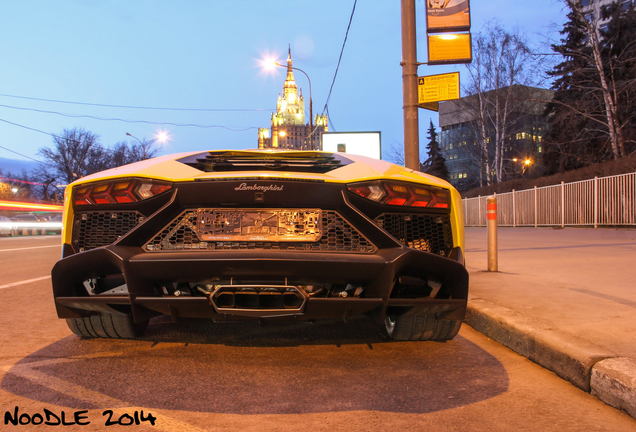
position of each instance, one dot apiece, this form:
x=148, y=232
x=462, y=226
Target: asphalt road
x=194, y=375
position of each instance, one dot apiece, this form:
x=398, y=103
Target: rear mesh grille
x=431, y=233
x=337, y=236
x=101, y=228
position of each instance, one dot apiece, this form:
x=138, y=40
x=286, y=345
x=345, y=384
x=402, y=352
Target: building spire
x=290, y=73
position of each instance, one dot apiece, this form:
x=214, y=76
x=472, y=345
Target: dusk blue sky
x=206, y=55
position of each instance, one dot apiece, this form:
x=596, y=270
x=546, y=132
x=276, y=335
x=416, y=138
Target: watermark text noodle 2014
x=75, y=418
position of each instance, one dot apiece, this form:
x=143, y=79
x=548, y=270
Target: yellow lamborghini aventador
x=262, y=235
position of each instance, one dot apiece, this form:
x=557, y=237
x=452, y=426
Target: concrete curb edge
x=587, y=366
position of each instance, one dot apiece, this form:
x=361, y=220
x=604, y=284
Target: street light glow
x=527, y=162
x=162, y=137
x=269, y=63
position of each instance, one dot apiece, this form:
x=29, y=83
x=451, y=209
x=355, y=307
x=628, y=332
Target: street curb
x=587, y=366
x=614, y=382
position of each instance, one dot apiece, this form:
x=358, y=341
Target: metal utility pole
x=409, y=86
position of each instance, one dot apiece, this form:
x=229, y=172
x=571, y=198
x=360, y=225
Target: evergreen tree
x=619, y=53
x=572, y=141
x=435, y=164
x=591, y=116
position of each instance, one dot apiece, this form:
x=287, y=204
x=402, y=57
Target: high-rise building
x=289, y=129
x=522, y=136
x=593, y=10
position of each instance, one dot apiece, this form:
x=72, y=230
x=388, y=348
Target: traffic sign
x=433, y=106
x=436, y=88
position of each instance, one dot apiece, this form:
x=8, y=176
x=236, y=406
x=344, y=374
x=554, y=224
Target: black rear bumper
x=144, y=272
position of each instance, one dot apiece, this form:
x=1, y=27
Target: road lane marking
x=26, y=248
x=24, y=282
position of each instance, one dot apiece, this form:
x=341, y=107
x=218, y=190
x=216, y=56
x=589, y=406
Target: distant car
x=262, y=235
x=52, y=221
x=27, y=223
x=6, y=226
x=30, y=223
x=57, y=222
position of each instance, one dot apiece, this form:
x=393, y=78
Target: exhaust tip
x=228, y=298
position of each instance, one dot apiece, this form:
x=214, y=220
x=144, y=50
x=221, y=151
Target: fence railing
x=599, y=201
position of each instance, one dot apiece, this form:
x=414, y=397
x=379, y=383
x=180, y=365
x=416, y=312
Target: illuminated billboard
x=359, y=143
x=446, y=48
x=447, y=15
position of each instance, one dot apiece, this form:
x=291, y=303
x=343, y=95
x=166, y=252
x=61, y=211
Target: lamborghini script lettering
x=259, y=188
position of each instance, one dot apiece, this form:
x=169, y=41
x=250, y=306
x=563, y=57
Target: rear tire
x=105, y=325
x=421, y=327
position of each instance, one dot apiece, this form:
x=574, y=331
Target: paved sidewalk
x=564, y=298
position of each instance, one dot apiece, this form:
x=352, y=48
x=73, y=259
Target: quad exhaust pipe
x=234, y=299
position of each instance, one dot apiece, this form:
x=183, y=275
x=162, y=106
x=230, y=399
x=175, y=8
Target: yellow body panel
x=168, y=168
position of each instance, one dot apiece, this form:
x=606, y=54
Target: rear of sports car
x=262, y=235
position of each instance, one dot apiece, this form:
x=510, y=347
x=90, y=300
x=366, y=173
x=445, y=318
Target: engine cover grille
x=431, y=233
x=101, y=228
x=338, y=235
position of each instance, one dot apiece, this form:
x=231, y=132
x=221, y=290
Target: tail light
x=118, y=191
x=402, y=194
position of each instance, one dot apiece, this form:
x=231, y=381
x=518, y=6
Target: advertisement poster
x=447, y=15
x=360, y=143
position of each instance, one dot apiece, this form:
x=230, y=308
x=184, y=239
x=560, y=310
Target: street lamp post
x=143, y=144
x=525, y=164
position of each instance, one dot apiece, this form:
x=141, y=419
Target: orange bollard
x=491, y=216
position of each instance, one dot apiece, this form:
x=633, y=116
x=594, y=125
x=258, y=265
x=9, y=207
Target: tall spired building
x=289, y=130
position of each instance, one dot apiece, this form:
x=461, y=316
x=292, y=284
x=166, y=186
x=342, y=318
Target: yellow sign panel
x=447, y=48
x=435, y=88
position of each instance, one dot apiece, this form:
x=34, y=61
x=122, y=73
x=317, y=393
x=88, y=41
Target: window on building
x=585, y=3
x=589, y=17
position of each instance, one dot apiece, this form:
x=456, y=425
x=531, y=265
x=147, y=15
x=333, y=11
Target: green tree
x=77, y=153
x=592, y=113
x=572, y=140
x=435, y=164
x=619, y=49
x=502, y=64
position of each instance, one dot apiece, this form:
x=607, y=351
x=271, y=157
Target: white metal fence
x=600, y=201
